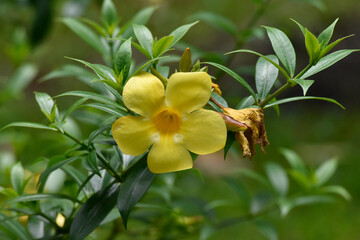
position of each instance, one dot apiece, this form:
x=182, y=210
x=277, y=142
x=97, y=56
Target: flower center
x=167, y=121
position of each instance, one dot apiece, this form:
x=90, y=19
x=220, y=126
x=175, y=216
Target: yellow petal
x=143, y=93
x=188, y=91
x=132, y=134
x=168, y=156
x=203, y=132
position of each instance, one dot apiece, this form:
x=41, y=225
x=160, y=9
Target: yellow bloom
x=171, y=123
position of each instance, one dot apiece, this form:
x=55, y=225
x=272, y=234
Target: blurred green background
x=31, y=37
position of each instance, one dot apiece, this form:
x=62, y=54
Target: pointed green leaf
x=17, y=178
x=93, y=162
x=246, y=102
x=93, y=212
x=29, y=125
x=39, y=197
x=326, y=35
x=229, y=141
x=106, y=108
x=328, y=61
x=304, y=84
x=144, y=36
x=294, y=160
x=283, y=48
x=85, y=33
x=278, y=178
x=325, y=172
x=302, y=28
x=140, y=18
x=286, y=100
x=47, y=106
x=16, y=230
x=312, y=46
x=255, y=176
x=109, y=15
x=162, y=45
x=217, y=21
x=265, y=75
x=145, y=65
x=70, y=70
x=179, y=32
x=97, y=27
x=339, y=190
x=233, y=75
x=219, y=99
x=136, y=185
x=326, y=49
x=93, y=96
x=73, y=107
x=97, y=132
x=123, y=57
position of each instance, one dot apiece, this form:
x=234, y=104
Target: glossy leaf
x=97, y=132
x=17, y=178
x=304, y=84
x=286, y=100
x=265, y=75
x=54, y=164
x=302, y=28
x=283, y=48
x=144, y=36
x=162, y=45
x=179, y=32
x=233, y=75
x=246, y=102
x=47, y=106
x=325, y=172
x=109, y=15
x=93, y=96
x=123, y=59
x=93, y=212
x=133, y=189
x=278, y=178
x=312, y=46
x=93, y=162
x=326, y=49
x=229, y=141
x=339, y=190
x=326, y=35
x=85, y=33
x=217, y=21
x=106, y=108
x=29, y=125
x=220, y=100
x=328, y=61
x=73, y=107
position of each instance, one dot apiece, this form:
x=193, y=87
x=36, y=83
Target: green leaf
x=40, y=196
x=219, y=99
x=54, y=164
x=233, y=75
x=260, y=55
x=144, y=36
x=97, y=132
x=97, y=27
x=162, y=45
x=18, y=81
x=185, y=62
x=95, y=97
x=145, y=65
x=17, y=178
x=255, y=176
x=85, y=33
x=294, y=160
x=14, y=227
x=286, y=100
x=29, y=125
x=93, y=212
x=47, y=106
x=136, y=185
x=265, y=75
x=69, y=70
x=283, y=48
x=123, y=59
x=102, y=71
x=339, y=190
x=328, y=61
x=140, y=18
x=326, y=35
x=109, y=15
x=326, y=49
x=179, y=32
x=246, y=102
x=304, y=84
x=229, y=141
x=312, y=46
x=106, y=108
x=325, y=172
x=73, y=107
x=266, y=229
x=217, y=21
x=302, y=28
x=93, y=162
x=278, y=178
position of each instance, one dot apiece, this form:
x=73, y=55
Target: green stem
x=303, y=71
x=275, y=94
x=159, y=76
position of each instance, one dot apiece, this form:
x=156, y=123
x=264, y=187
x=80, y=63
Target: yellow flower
x=170, y=123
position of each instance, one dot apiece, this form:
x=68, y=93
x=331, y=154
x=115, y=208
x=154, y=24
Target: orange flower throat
x=167, y=121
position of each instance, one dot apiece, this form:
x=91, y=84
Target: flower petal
x=168, y=156
x=143, y=93
x=132, y=134
x=188, y=91
x=203, y=132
